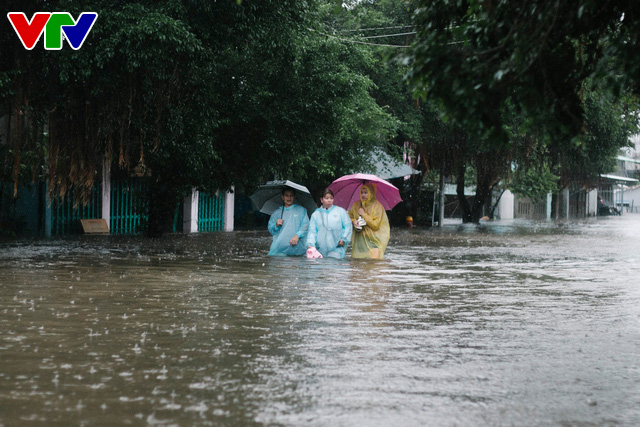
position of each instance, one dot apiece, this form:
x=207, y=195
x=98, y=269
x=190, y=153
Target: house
x=613, y=186
x=618, y=189
x=631, y=199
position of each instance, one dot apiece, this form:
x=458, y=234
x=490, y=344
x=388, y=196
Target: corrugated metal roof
x=628, y=159
x=617, y=178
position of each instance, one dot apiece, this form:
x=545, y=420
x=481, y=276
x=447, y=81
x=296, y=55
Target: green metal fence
x=65, y=217
x=129, y=210
x=129, y=206
x=210, y=212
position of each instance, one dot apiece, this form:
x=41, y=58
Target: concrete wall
x=632, y=196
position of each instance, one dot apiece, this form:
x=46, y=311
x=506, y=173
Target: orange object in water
x=409, y=221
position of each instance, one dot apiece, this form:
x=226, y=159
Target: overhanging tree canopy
x=474, y=56
x=203, y=94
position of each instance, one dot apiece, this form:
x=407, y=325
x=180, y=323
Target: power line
x=389, y=35
x=373, y=44
x=376, y=28
x=356, y=41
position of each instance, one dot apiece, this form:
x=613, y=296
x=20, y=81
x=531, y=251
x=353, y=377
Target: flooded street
x=505, y=323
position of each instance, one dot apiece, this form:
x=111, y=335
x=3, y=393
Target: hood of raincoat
x=372, y=193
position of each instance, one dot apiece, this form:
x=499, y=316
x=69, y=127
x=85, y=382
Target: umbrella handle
x=282, y=211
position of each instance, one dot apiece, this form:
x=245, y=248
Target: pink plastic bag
x=312, y=252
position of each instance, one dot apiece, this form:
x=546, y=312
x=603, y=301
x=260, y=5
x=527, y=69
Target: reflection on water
x=506, y=323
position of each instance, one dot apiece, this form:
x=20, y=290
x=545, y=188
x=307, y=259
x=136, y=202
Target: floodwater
x=500, y=324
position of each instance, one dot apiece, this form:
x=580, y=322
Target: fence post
x=106, y=193
x=506, y=205
x=592, y=203
x=190, y=213
x=229, y=201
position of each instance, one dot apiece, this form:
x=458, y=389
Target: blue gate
x=129, y=207
x=65, y=216
x=211, y=212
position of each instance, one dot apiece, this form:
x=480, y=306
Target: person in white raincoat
x=288, y=226
x=329, y=228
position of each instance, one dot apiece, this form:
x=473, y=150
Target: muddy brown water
x=505, y=323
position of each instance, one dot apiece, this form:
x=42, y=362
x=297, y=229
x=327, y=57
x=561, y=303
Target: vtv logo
x=53, y=24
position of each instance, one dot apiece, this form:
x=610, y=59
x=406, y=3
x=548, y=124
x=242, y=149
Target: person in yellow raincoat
x=370, y=241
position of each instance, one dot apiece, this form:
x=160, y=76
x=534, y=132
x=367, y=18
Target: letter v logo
x=28, y=32
x=77, y=34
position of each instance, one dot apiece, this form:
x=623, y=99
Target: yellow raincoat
x=371, y=241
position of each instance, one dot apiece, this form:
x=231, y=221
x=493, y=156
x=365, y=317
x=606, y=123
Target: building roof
x=386, y=167
x=617, y=178
x=628, y=159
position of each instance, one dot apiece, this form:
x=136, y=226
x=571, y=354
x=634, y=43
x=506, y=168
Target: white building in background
x=632, y=199
x=613, y=186
x=618, y=189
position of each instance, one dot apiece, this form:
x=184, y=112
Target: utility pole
x=441, y=199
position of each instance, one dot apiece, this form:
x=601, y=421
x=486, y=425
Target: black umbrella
x=267, y=199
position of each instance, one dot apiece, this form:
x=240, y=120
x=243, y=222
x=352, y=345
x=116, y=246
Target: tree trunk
x=483, y=192
x=462, y=199
x=416, y=190
x=162, y=205
x=555, y=206
x=441, y=197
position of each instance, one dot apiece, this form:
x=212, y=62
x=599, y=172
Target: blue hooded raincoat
x=295, y=222
x=326, y=228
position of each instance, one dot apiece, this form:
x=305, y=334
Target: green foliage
x=608, y=127
x=534, y=184
x=194, y=93
x=476, y=56
x=226, y=93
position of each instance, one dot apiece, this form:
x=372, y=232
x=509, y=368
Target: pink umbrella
x=347, y=190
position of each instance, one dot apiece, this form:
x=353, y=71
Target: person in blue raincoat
x=288, y=226
x=329, y=228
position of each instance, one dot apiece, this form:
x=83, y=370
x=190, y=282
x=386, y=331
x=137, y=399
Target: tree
x=476, y=56
x=188, y=94
x=383, y=28
x=608, y=128
x=538, y=64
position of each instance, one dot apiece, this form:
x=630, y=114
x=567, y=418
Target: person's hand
x=340, y=243
x=279, y=222
x=361, y=211
x=355, y=223
x=294, y=240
